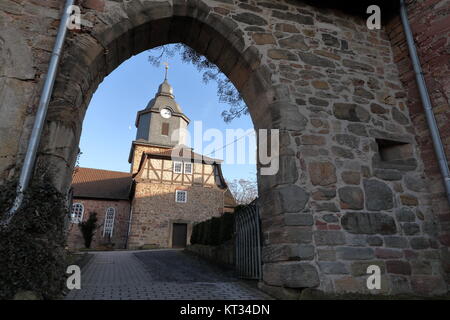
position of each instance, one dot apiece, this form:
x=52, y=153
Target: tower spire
x=167, y=69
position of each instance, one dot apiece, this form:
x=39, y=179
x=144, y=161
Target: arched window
x=76, y=215
x=108, y=226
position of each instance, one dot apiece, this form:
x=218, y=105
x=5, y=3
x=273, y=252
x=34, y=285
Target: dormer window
x=177, y=167
x=188, y=167
x=182, y=167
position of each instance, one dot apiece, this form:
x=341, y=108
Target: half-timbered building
x=168, y=189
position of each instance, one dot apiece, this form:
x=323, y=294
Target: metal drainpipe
x=47, y=90
x=437, y=142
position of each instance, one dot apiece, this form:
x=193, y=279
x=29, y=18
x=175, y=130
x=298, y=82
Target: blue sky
x=109, y=125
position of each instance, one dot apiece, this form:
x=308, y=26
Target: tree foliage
x=226, y=91
x=32, y=255
x=88, y=228
x=215, y=231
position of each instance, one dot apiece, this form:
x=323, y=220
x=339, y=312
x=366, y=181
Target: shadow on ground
x=179, y=266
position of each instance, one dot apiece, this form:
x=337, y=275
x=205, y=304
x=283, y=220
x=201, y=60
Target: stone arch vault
x=351, y=189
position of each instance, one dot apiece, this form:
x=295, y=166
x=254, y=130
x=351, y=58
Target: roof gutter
x=437, y=142
x=47, y=90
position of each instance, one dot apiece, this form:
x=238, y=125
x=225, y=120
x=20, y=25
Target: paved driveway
x=157, y=274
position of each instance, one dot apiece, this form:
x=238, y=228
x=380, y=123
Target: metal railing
x=248, y=242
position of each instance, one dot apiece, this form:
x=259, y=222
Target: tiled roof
x=184, y=153
x=101, y=184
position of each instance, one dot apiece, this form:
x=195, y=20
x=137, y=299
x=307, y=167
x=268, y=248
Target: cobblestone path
x=157, y=274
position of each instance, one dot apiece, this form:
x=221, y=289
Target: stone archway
x=350, y=189
x=91, y=55
x=88, y=59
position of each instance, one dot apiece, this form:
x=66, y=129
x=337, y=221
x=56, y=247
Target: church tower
x=160, y=126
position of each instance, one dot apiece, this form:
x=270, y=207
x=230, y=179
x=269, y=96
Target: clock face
x=166, y=113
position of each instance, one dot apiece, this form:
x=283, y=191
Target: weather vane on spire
x=167, y=69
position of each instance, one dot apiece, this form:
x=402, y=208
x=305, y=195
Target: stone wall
x=137, y=150
x=120, y=231
x=155, y=211
x=352, y=187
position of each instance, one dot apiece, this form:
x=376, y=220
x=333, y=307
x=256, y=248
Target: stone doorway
x=179, y=235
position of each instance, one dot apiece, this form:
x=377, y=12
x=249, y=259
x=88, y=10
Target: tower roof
x=165, y=89
x=164, y=97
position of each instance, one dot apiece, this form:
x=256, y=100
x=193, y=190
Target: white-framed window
x=108, y=225
x=188, y=167
x=76, y=215
x=177, y=167
x=181, y=196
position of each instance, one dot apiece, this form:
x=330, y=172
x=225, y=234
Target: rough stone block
x=330, y=218
x=378, y=195
x=315, y=60
x=388, y=174
x=326, y=254
x=322, y=173
x=351, y=177
x=409, y=200
x=368, y=223
x=398, y=267
x=374, y=241
x=325, y=237
x=359, y=268
x=354, y=253
x=421, y=267
x=351, y=198
x=333, y=268
x=405, y=214
x=298, y=219
x=410, y=228
x=293, y=42
x=288, y=199
x=289, y=234
x=348, y=140
x=395, y=242
x=427, y=285
x=384, y=253
x=351, y=112
x=419, y=243
x=399, y=284
x=250, y=18
x=324, y=194
x=349, y=285
x=357, y=240
x=304, y=252
x=291, y=274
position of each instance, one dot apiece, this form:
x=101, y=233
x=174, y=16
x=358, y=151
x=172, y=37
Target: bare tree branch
x=244, y=191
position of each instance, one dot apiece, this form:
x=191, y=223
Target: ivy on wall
x=32, y=245
x=214, y=231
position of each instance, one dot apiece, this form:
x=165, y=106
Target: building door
x=179, y=235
